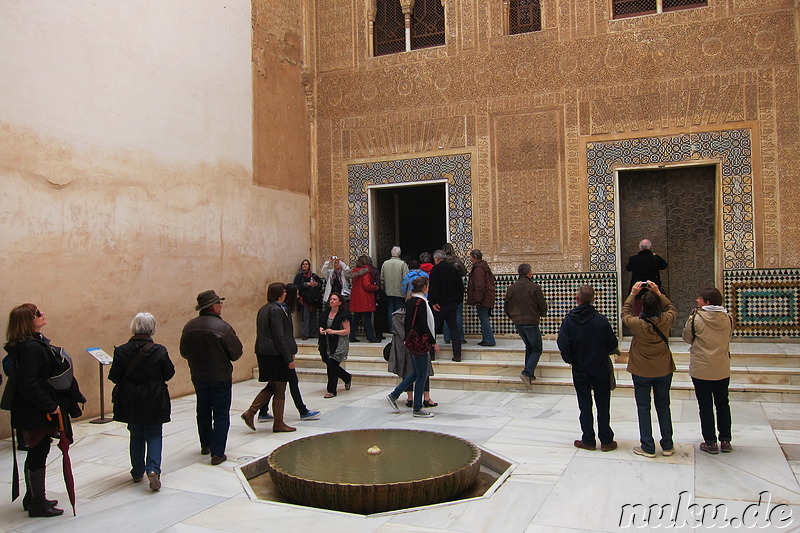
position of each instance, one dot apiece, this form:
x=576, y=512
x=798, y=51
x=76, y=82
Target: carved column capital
x=407, y=6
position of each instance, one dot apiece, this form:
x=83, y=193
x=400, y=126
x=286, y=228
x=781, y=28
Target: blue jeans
x=417, y=376
x=393, y=303
x=487, y=335
x=459, y=320
x=532, y=337
x=308, y=324
x=641, y=391
x=145, y=438
x=213, y=414
x=367, y=326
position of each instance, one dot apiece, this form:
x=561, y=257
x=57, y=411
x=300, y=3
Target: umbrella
x=66, y=464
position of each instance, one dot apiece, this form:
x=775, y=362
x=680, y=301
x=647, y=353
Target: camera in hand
x=645, y=285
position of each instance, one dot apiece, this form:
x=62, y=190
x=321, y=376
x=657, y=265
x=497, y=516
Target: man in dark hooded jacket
x=585, y=340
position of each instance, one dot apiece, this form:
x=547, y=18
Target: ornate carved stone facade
x=533, y=109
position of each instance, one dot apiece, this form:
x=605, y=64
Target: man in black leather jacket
x=210, y=344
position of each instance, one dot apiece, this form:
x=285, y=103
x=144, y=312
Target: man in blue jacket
x=585, y=340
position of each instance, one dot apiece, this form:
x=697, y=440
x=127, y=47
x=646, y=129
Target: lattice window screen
x=427, y=24
x=630, y=8
x=671, y=5
x=524, y=16
x=389, y=28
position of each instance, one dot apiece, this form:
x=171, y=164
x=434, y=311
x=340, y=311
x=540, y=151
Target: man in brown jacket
x=481, y=293
x=525, y=305
x=650, y=364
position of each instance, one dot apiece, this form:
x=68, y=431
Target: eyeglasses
x=38, y=314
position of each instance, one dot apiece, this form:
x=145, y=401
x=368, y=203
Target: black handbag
x=415, y=342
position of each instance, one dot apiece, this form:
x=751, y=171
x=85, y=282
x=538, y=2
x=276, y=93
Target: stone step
x=742, y=354
x=559, y=370
x=760, y=371
x=680, y=390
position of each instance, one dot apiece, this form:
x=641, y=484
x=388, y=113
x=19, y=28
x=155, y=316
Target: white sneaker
x=422, y=413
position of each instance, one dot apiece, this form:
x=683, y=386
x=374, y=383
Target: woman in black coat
x=35, y=404
x=140, y=371
x=275, y=351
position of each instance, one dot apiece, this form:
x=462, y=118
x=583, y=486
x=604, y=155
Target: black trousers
x=335, y=372
x=584, y=384
x=710, y=394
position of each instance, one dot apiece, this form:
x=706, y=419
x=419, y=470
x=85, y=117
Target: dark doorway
x=675, y=209
x=413, y=217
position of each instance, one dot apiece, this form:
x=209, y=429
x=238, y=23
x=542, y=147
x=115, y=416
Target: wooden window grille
x=427, y=24
x=674, y=5
x=634, y=8
x=389, y=28
x=524, y=16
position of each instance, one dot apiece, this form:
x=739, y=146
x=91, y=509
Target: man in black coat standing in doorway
x=446, y=292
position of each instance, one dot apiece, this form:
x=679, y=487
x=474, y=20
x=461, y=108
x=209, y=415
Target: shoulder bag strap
x=138, y=359
x=414, y=318
x=660, y=334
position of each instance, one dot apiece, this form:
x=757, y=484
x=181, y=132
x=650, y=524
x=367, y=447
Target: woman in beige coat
x=708, y=331
x=650, y=364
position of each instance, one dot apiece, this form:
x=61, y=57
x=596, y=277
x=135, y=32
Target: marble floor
x=554, y=487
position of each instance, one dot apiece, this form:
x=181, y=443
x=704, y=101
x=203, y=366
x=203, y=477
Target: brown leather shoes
x=583, y=446
x=609, y=446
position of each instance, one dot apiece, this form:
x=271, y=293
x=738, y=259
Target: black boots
x=38, y=505
x=26, y=500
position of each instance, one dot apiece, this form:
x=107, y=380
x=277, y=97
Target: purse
x=415, y=342
x=61, y=380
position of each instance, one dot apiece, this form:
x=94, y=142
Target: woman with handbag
x=35, y=405
x=420, y=339
x=334, y=336
x=140, y=372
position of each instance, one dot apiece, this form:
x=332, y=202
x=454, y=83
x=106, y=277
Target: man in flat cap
x=210, y=344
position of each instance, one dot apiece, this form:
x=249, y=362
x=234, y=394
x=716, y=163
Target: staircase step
x=760, y=371
x=680, y=390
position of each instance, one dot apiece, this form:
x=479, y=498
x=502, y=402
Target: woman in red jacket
x=362, y=299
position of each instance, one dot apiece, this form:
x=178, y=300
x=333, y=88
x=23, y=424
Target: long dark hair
x=291, y=297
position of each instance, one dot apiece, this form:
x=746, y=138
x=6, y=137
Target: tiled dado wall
x=764, y=303
x=559, y=292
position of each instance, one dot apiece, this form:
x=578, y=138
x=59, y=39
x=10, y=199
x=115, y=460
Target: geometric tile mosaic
x=456, y=169
x=559, y=292
x=732, y=149
x=764, y=303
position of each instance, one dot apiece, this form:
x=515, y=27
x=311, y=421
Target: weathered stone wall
x=530, y=104
x=126, y=157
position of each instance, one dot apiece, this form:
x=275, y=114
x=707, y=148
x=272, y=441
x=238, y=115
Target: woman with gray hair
x=140, y=371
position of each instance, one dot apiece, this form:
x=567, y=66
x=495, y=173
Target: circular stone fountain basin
x=374, y=470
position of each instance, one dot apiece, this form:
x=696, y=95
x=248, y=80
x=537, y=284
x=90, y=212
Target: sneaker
x=155, y=481
x=639, y=451
x=422, y=413
x=709, y=447
x=310, y=415
x=526, y=379
x=725, y=446
x=267, y=418
x=668, y=453
x=583, y=446
x=393, y=403
x=609, y=446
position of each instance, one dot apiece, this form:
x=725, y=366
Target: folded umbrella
x=66, y=463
